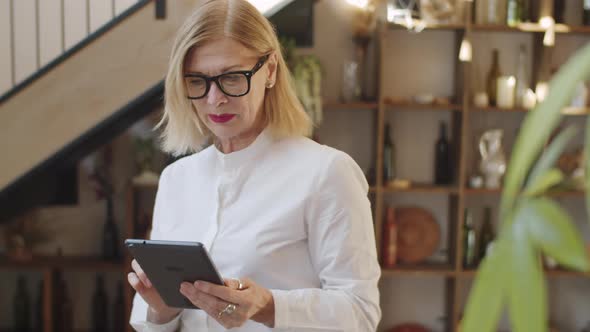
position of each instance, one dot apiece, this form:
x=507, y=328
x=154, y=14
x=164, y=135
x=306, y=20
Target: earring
x=269, y=85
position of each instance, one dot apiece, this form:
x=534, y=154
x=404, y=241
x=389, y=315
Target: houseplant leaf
x=587, y=166
x=489, y=292
x=551, y=229
x=543, y=182
x=539, y=124
x=528, y=298
x=551, y=154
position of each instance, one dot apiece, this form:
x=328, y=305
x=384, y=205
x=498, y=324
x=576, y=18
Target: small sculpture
x=493, y=160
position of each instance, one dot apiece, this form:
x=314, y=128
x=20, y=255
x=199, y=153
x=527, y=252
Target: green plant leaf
x=551, y=229
x=539, y=124
x=528, y=298
x=551, y=154
x=587, y=166
x=484, y=306
x=544, y=181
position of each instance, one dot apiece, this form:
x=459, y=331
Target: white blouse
x=291, y=215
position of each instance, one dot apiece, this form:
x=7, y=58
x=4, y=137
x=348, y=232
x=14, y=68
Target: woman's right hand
x=159, y=312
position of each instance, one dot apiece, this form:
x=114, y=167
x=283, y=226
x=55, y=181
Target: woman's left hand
x=251, y=301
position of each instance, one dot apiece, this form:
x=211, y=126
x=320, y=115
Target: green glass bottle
x=388, y=156
x=514, y=12
x=486, y=235
x=492, y=79
x=468, y=241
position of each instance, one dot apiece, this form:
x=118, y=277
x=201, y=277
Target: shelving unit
x=420, y=270
x=408, y=107
x=61, y=263
x=497, y=192
x=423, y=189
x=566, y=111
x=47, y=266
x=460, y=114
x=562, y=29
x=337, y=106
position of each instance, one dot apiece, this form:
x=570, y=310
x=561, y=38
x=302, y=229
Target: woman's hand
x=159, y=312
x=251, y=301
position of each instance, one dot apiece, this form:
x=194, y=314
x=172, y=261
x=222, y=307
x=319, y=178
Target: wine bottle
x=493, y=11
x=559, y=10
x=443, y=161
x=57, y=301
x=493, y=75
x=67, y=310
x=99, y=306
x=525, y=13
x=522, y=83
x=586, y=17
x=388, y=156
x=486, y=235
x=514, y=12
x=481, y=12
x=468, y=241
x=22, y=306
x=119, y=310
x=390, y=239
x=39, y=321
x=110, y=244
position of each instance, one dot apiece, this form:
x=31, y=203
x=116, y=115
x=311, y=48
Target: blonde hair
x=183, y=131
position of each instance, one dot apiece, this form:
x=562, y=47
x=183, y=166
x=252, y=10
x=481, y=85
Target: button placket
x=214, y=229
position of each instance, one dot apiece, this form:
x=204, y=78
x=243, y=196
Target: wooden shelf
x=440, y=270
x=551, y=273
x=531, y=28
x=82, y=263
x=498, y=109
x=482, y=191
x=565, y=111
x=337, y=106
x=521, y=28
x=556, y=193
x=395, y=26
x=423, y=188
x=411, y=106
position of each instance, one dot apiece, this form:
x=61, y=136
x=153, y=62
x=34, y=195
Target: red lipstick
x=222, y=118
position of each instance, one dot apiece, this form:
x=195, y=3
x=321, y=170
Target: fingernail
x=197, y=284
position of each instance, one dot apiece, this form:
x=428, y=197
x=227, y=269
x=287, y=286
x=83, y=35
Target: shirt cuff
x=146, y=326
x=281, y=301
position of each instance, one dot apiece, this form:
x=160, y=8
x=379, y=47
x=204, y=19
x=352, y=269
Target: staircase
x=86, y=96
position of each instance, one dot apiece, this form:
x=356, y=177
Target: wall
x=414, y=64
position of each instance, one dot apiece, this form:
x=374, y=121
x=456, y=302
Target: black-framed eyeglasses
x=233, y=84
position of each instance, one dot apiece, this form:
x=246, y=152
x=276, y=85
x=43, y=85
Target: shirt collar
x=235, y=160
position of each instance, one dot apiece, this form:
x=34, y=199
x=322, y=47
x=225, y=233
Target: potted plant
x=307, y=78
x=531, y=224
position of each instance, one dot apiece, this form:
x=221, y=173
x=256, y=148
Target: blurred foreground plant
x=532, y=225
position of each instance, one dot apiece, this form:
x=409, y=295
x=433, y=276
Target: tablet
x=168, y=263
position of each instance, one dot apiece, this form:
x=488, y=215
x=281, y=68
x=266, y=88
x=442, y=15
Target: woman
x=285, y=216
